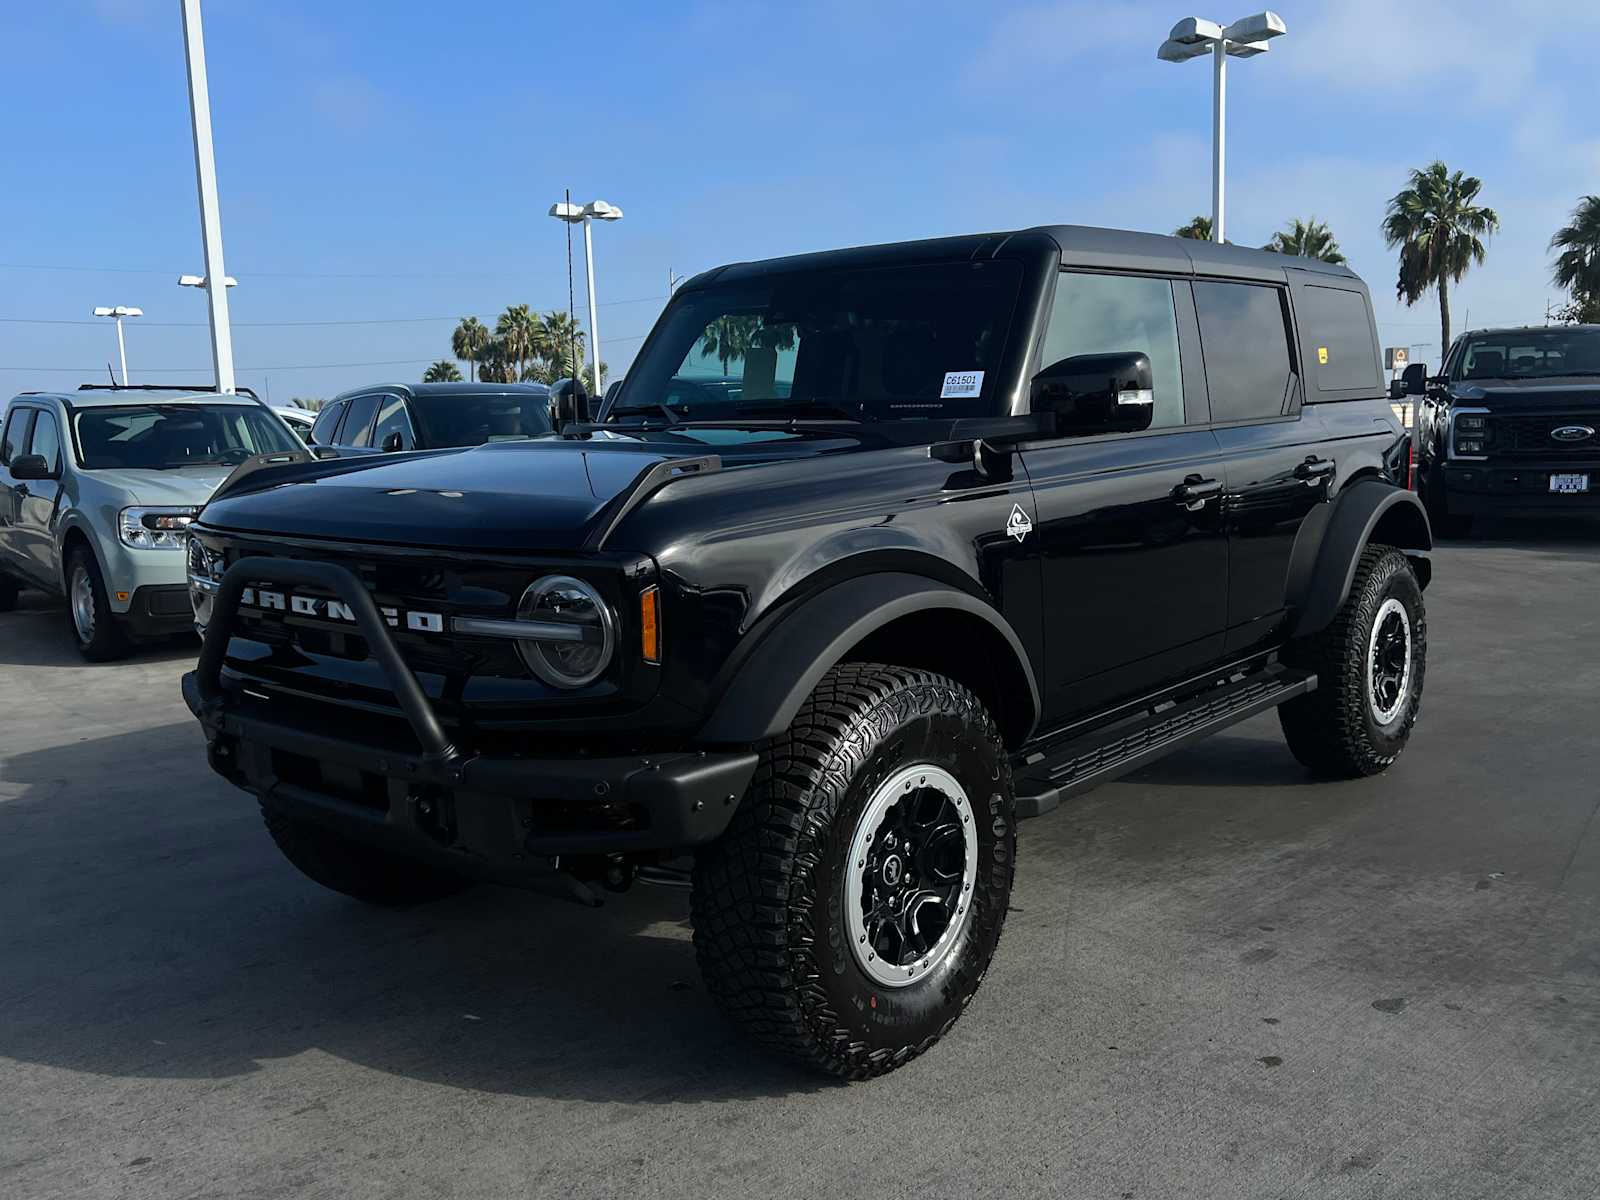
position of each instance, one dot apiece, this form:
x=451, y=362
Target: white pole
x=1219, y=103
x=122, y=352
x=594, y=327
x=205, y=169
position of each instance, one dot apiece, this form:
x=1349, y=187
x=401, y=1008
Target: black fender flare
x=1323, y=566
x=771, y=681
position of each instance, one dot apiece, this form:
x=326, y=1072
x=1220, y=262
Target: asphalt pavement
x=1219, y=978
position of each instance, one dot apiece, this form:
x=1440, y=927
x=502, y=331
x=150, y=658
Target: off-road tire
x=1334, y=730
x=108, y=639
x=8, y=593
x=770, y=927
x=360, y=871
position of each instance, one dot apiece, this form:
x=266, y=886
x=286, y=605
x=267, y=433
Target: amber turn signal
x=650, y=624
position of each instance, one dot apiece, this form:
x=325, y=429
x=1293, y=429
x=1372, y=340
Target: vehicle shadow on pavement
x=37, y=635
x=149, y=928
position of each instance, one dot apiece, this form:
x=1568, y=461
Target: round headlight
x=581, y=634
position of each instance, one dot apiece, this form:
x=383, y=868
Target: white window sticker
x=961, y=385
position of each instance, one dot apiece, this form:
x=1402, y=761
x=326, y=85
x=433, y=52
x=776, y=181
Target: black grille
x=1530, y=435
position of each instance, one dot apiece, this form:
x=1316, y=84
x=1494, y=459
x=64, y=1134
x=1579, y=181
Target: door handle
x=1315, y=468
x=22, y=491
x=1194, y=491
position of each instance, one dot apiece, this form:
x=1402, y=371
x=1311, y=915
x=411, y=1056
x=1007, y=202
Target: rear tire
x=847, y=916
x=355, y=870
x=1370, y=663
x=96, y=630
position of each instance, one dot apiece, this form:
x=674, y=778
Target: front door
x=13, y=444
x=38, y=505
x=1134, y=560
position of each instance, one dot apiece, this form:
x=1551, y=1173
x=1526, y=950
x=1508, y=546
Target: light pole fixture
x=199, y=281
x=585, y=214
x=117, y=313
x=1245, y=38
x=205, y=174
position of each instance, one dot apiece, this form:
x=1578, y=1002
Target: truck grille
x=1530, y=434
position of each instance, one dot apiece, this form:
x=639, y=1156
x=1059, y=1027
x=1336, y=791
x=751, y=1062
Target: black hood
x=1568, y=391
x=510, y=496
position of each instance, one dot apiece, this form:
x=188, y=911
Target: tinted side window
x=327, y=424
x=16, y=435
x=359, y=423
x=1342, y=352
x=1103, y=314
x=393, y=418
x=46, y=440
x=1244, y=335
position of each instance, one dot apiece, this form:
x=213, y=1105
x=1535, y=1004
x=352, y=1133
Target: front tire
x=1434, y=499
x=358, y=871
x=847, y=916
x=1370, y=663
x=95, y=628
x=8, y=593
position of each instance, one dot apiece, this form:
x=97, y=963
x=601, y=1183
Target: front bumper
x=501, y=817
x=1522, y=490
x=160, y=610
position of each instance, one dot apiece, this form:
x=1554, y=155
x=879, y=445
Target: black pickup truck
x=988, y=520
x=1510, y=426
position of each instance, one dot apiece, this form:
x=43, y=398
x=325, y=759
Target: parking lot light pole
x=205, y=169
x=1193, y=37
x=117, y=313
x=595, y=210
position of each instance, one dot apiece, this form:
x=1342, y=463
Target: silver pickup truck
x=97, y=487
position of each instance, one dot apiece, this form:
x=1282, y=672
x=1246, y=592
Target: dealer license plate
x=1569, y=482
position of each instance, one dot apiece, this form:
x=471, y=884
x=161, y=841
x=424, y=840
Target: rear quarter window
x=1338, y=329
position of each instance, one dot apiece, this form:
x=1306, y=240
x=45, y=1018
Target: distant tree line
x=523, y=347
x=1438, y=228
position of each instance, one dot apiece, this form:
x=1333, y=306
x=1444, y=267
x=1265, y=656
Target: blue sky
x=391, y=163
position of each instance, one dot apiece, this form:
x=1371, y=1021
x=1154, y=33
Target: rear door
x=1272, y=445
x=39, y=504
x=1134, y=562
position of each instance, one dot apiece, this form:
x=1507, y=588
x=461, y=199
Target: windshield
x=874, y=344
x=1530, y=354
x=164, y=437
x=473, y=418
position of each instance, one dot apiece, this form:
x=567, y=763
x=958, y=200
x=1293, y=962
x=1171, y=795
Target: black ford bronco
x=987, y=521
x=1510, y=426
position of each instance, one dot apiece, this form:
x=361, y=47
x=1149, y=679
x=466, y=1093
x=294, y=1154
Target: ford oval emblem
x=1572, y=433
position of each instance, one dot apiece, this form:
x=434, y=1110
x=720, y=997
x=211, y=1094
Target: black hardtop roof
x=1078, y=245
x=449, y=389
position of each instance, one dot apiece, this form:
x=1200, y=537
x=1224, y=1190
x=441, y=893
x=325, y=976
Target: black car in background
x=390, y=417
x=1511, y=426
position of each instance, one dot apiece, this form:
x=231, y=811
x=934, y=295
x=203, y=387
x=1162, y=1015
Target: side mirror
x=1096, y=393
x=393, y=441
x=1415, y=378
x=31, y=466
x=569, y=402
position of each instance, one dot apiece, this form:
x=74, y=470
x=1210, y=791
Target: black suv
x=992, y=520
x=1511, y=426
x=391, y=417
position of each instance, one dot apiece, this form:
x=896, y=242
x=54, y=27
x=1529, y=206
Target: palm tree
x=468, y=342
x=1307, y=239
x=1199, y=229
x=564, y=343
x=495, y=363
x=729, y=338
x=519, y=334
x=443, y=371
x=1439, y=231
x=1578, y=265
x=587, y=375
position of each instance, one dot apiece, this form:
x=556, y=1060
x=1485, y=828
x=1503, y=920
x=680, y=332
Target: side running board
x=1096, y=757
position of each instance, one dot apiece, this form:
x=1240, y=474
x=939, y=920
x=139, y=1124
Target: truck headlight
x=154, y=528
x=578, y=634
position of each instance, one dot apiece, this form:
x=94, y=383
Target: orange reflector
x=650, y=624
x=122, y=597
